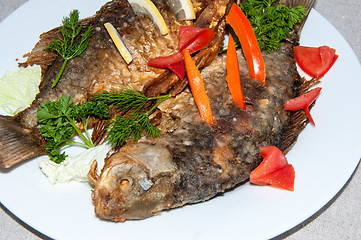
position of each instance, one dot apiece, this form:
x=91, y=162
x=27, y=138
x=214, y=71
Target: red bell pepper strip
x=303, y=102
x=247, y=38
x=186, y=33
x=233, y=76
x=178, y=68
x=165, y=61
x=189, y=37
x=197, y=87
x=198, y=41
x=274, y=170
x=315, y=61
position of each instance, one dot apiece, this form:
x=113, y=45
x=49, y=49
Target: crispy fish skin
x=193, y=161
x=101, y=67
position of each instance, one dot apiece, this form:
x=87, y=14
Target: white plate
x=324, y=157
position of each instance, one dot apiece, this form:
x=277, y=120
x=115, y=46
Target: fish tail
x=17, y=143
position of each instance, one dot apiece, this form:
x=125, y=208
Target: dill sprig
x=131, y=127
x=133, y=122
x=68, y=44
x=124, y=99
x=271, y=23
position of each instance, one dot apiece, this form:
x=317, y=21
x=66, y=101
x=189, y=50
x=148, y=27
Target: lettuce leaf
x=18, y=89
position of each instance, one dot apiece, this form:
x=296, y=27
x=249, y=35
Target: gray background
x=339, y=219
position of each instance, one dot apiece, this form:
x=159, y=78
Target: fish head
x=136, y=182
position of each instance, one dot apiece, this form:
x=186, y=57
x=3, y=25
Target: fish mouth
x=138, y=183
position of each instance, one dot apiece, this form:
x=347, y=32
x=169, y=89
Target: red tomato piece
x=273, y=159
x=283, y=178
x=274, y=170
x=315, y=61
x=303, y=102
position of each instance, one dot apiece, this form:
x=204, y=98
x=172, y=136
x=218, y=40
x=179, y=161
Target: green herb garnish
x=58, y=120
x=70, y=45
x=133, y=122
x=271, y=23
x=57, y=124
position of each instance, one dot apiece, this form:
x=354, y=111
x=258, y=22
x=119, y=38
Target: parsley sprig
x=59, y=120
x=271, y=23
x=70, y=45
x=58, y=124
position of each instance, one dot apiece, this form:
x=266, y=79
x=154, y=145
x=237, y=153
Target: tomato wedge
x=303, y=102
x=274, y=170
x=247, y=38
x=283, y=178
x=315, y=61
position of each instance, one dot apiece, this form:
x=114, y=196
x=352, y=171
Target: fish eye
x=124, y=185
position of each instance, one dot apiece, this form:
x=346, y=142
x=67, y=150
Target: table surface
x=339, y=219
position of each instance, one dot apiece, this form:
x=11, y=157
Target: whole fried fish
x=101, y=67
x=193, y=161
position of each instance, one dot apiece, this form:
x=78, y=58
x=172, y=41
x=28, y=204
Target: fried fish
x=101, y=67
x=194, y=161
x=191, y=161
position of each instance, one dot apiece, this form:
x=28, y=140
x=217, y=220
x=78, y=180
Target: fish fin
x=294, y=3
x=39, y=56
x=16, y=143
x=298, y=119
x=307, y=4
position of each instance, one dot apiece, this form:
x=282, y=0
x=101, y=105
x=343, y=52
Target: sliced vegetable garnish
x=178, y=68
x=233, y=76
x=315, y=61
x=247, y=38
x=271, y=22
x=191, y=38
x=165, y=61
x=282, y=178
x=274, y=170
x=200, y=38
x=183, y=9
x=197, y=87
x=148, y=8
x=303, y=102
x=123, y=50
x=186, y=33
